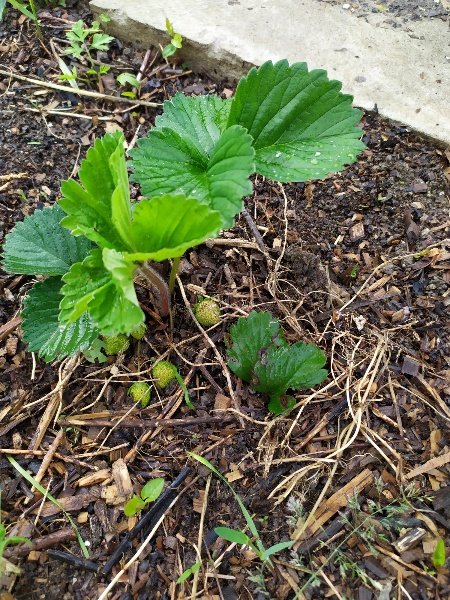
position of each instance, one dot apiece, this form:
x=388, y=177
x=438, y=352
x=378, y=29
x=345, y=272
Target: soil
x=358, y=263
x=398, y=13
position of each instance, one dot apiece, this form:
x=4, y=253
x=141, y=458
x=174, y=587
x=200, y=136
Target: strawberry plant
x=284, y=122
x=261, y=356
x=89, y=247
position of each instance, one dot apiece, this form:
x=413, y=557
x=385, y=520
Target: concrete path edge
x=404, y=72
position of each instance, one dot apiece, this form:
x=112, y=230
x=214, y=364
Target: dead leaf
x=69, y=503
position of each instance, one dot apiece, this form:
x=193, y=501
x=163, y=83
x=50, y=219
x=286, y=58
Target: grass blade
x=48, y=496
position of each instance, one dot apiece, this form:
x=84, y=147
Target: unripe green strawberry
x=140, y=392
x=207, y=312
x=164, y=372
x=114, y=344
x=139, y=332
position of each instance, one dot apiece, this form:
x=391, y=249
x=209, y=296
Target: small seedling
x=176, y=41
x=207, y=312
x=84, y=41
x=187, y=573
x=239, y=537
x=261, y=356
x=439, y=557
x=52, y=499
x=140, y=392
x=260, y=583
x=28, y=8
x=149, y=493
x=8, y=540
x=115, y=344
x=367, y=522
x=128, y=79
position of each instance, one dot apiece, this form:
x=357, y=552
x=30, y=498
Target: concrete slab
x=404, y=69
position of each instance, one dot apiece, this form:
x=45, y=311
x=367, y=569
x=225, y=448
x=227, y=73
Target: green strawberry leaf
x=152, y=489
x=201, y=119
x=120, y=199
x=122, y=272
x=289, y=367
x=42, y=329
x=251, y=336
x=166, y=226
x=303, y=127
x=39, y=245
x=187, y=153
x=99, y=206
x=102, y=285
x=279, y=405
x=230, y=165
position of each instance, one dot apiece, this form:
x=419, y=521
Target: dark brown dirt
x=365, y=274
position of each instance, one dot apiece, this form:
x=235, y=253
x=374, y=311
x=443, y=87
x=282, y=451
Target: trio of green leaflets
x=261, y=356
x=284, y=122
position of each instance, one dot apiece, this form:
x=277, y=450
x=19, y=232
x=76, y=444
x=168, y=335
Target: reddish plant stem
x=158, y=286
